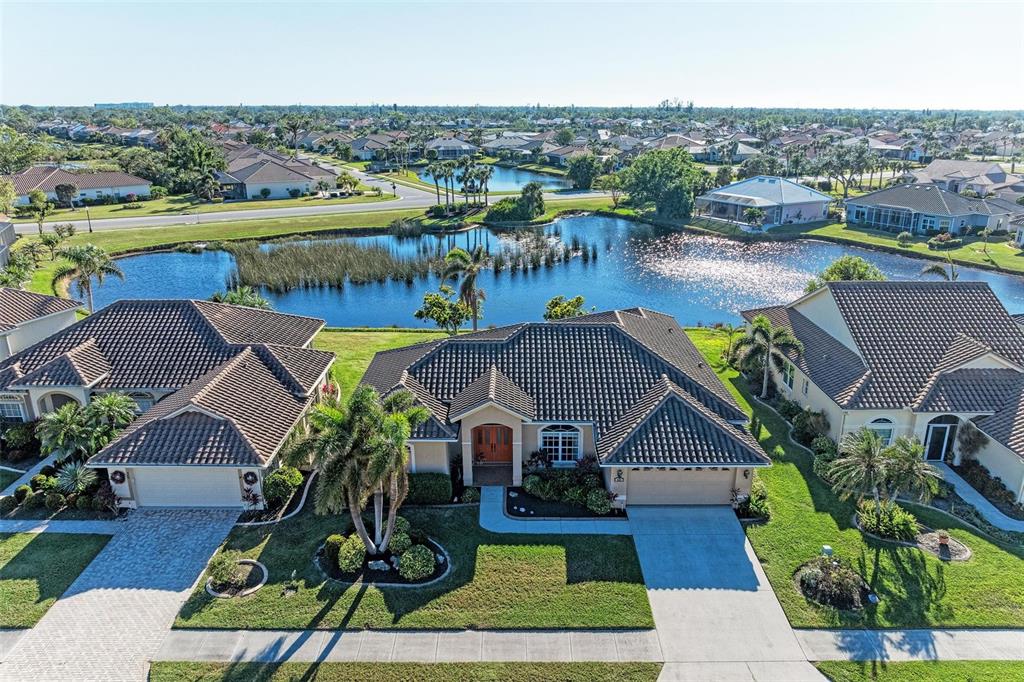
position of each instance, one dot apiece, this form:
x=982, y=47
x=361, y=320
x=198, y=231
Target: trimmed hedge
x=281, y=484
x=430, y=488
x=893, y=522
x=351, y=554
x=416, y=563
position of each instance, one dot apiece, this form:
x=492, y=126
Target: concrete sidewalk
x=912, y=645
x=425, y=646
x=26, y=477
x=972, y=496
x=493, y=518
x=58, y=526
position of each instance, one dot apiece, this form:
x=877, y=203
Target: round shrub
x=21, y=492
x=400, y=542
x=471, y=495
x=332, y=544
x=351, y=554
x=591, y=481
x=598, y=502
x=402, y=525
x=432, y=488
x=904, y=238
x=224, y=570
x=84, y=502
x=49, y=484
x=577, y=495
x=8, y=504
x=55, y=501
x=98, y=504
x=893, y=521
x=531, y=484
x=281, y=484
x=34, y=500
x=48, y=471
x=38, y=481
x=416, y=563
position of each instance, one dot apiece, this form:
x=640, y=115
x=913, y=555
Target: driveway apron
x=114, y=617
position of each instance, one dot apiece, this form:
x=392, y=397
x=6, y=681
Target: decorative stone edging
x=338, y=581
x=302, y=503
x=915, y=545
x=504, y=511
x=246, y=592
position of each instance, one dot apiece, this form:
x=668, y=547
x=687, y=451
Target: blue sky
x=964, y=55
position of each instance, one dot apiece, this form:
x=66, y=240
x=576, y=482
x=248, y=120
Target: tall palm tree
x=766, y=345
x=860, y=469
x=461, y=263
x=907, y=470
x=434, y=173
x=86, y=261
x=484, y=175
x=730, y=331
x=465, y=164
x=449, y=177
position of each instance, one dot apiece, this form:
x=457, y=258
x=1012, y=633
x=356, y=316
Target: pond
x=699, y=279
x=513, y=179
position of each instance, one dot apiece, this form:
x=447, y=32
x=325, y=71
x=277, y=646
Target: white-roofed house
x=783, y=201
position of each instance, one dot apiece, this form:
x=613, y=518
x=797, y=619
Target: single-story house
x=7, y=239
x=560, y=156
x=925, y=209
x=981, y=177
x=371, y=146
x=627, y=387
x=916, y=359
x=27, y=318
x=449, y=148
x=783, y=201
x=92, y=185
x=251, y=169
x=219, y=388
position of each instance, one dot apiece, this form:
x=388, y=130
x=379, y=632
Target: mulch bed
x=390, y=576
x=865, y=590
x=253, y=574
x=538, y=508
x=955, y=551
x=273, y=514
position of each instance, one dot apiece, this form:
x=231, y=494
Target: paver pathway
x=493, y=518
x=114, y=617
x=986, y=508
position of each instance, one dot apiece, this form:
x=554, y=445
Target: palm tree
x=939, y=270
x=465, y=164
x=860, y=469
x=449, y=177
x=434, y=173
x=86, y=261
x=907, y=470
x=730, y=331
x=244, y=296
x=766, y=345
x=485, y=173
x=294, y=125
x=111, y=412
x=460, y=262
x=66, y=432
x=34, y=250
x=323, y=186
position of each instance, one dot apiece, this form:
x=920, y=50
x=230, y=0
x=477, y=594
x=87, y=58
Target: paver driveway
x=113, y=618
x=716, y=614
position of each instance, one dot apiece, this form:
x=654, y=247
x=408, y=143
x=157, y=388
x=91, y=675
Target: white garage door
x=186, y=487
x=662, y=486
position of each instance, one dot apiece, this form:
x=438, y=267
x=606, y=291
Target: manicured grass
x=496, y=581
x=407, y=672
x=36, y=568
x=7, y=478
x=916, y=589
x=188, y=205
x=542, y=168
x=922, y=671
x=355, y=349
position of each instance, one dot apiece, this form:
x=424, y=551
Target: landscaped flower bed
x=411, y=558
x=829, y=581
x=560, y=492
x=521, y=504
x=282, y=491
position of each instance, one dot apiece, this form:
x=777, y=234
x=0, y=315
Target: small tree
x=39, y=207
x=442, y=309
x=66, y=193
x=765, y=345
x=611, y=183
x=845, y=269
x=8, y=195
x=265, y=192
x=724, y=175
x=561, y=308
x=754, y=215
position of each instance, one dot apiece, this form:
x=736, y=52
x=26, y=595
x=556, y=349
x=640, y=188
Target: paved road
x=114, y=617
x=408, y=198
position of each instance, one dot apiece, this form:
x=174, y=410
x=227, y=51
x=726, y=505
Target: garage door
x=663, y=486
x=186, y=487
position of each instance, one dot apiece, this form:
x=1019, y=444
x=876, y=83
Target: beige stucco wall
x=1003, y=463
x=531, y=438
x=822, y=310
x=35, y=331
x=428, y=457
x=492, y=415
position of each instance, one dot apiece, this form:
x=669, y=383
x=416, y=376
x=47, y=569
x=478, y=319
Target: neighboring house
x=370, y=147
x=1017, y=229
x=560, y=156
x=982, y=177
x=627, y=387
x=783, y=201
x=250, y=170
x=449, y=148
x=93, y=186
x=27, y=318
x=925, y=209
x=916, y=359
x=220, y=388
x=7, y=238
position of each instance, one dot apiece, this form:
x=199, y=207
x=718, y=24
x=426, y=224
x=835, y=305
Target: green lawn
x=187, y=204
x=407, y=672
x=7, y=478
x=922, y=671
x=356, y=347
x=36, y=568
x=916, y=589
x=497, y=581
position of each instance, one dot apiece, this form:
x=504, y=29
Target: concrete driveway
x=716, y=614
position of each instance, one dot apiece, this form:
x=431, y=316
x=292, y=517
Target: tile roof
x=83, y=365
x=594, y=368
x=971, y=390
x=929, y=199
x=18, y=307
x=1006, y=426
x=46, y=179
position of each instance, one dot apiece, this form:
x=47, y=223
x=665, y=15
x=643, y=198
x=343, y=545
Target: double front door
x=492, y=443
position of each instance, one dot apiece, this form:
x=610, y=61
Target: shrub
x=893, y=522
x=295, y=193
x=400, y=542
x=825, y=452
x=98, y=504
x=223, y=570
x=416, y=563
x=471, y=495
x=402, y=524
x=55, y=501
x=7, y=505
x=48, y=471
x=904, y=238
x=945, y=240
x=157, y=192
x=37, y=481
x=788, y=409
x=576, y=495
x=531, y=484
x=436, y=211
x=829, y=581
x=434, y=488
x=599, y=502
x=351, y=554
x=21, y=492
x=84, y=502
x=506, y=210
x=808, y=425
x=19, y=436
x=756, y=504
x=331, y=546
x=281, y=484
x=991, y=487
x=265, y=192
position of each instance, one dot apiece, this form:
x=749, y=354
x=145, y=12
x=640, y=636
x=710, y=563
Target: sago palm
x=766, y=345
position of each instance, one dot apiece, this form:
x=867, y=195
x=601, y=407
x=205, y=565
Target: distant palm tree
x=465, y=164
x=766, y=345
x=939, y=270
x=484, y=174
x=86, y=262
x=460, y=262
x=730, y=331
x=434, y=173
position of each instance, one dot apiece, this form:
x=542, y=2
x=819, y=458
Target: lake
x=512, y=180
x=697, y=278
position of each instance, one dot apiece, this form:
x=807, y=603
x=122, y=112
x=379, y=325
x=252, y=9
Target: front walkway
x=988, y=510
x=912, y=645
x=114, y=617
x=26, y=477
x=493, y=518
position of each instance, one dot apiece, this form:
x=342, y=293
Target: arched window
x=883, y=427
x=561, y=443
